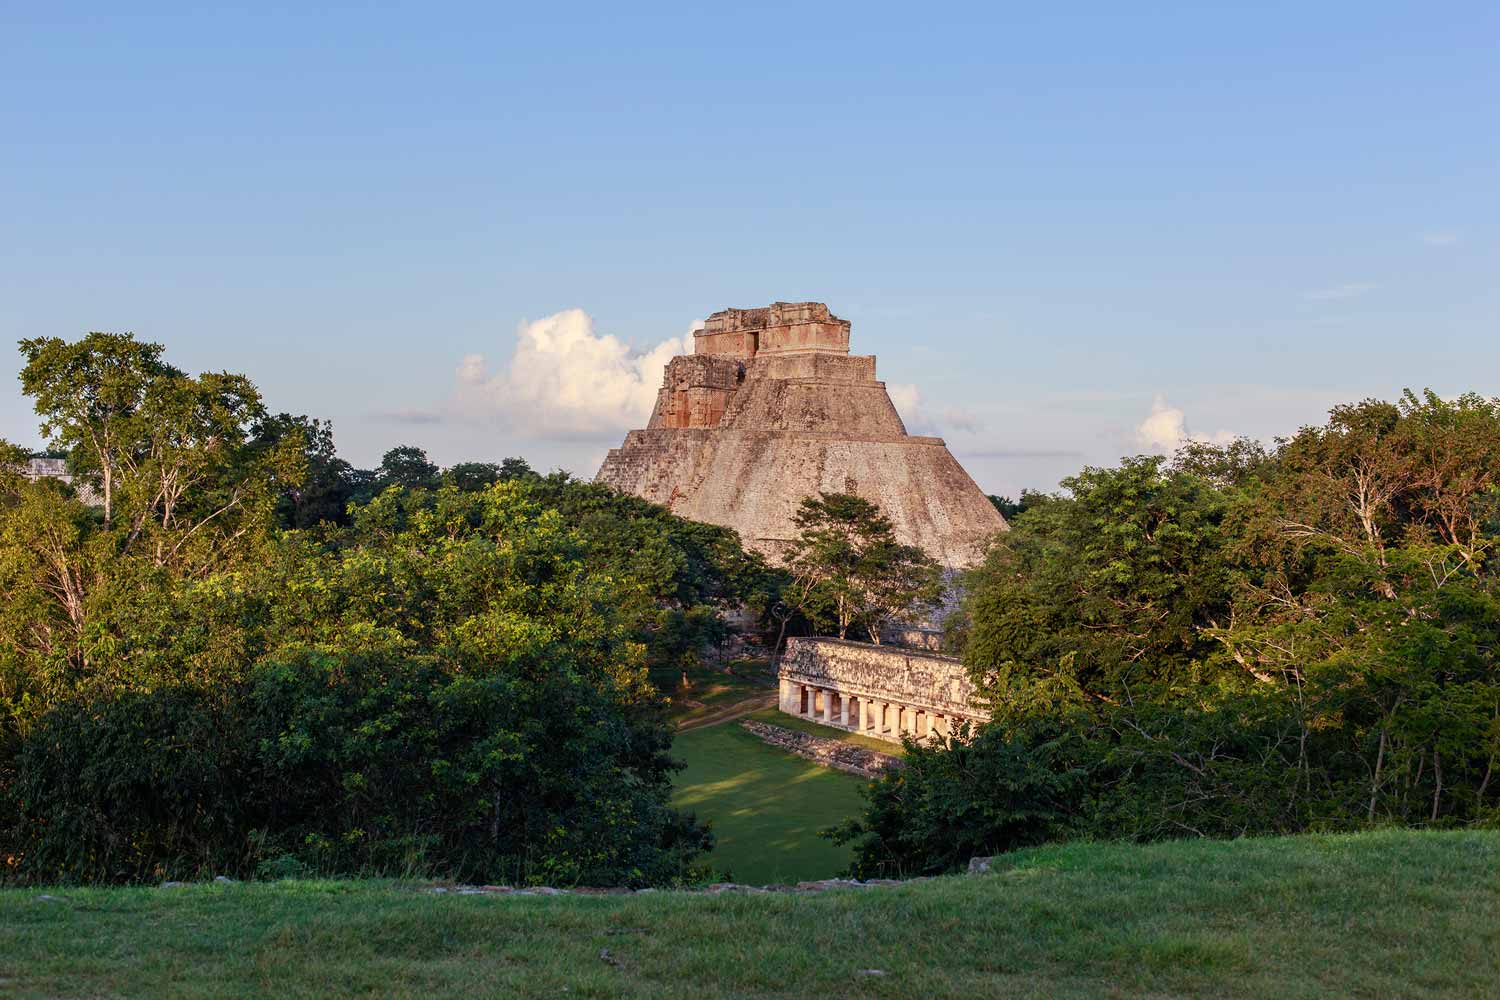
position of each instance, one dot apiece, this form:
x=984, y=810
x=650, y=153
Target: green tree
x=329, y=484
x=1250, y=641
x=89, y=394
x=1008, y=508
x=1099, y=589
x=847, y=564
x=472, y=476
x=188, y=494
x=407, y=466
x=515, y=468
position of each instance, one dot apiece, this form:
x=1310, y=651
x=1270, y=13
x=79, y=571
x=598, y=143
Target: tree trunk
x=1375, y=779
x=1437, y=772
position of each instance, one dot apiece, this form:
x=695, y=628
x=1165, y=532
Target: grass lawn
x=710, y=689
x=776, y=717
x=766, y=805
x=1376, y=915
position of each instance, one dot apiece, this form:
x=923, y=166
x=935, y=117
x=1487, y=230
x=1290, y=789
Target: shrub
x=350, y=763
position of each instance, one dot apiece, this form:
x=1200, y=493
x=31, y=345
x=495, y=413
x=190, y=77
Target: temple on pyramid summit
x=770, y=408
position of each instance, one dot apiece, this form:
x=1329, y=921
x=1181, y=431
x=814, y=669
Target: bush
x=349, y=764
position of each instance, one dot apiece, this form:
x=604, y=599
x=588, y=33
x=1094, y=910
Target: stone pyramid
x=770, y=408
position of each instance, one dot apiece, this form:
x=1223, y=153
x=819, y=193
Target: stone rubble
x=976, y=866
x=833, y=753
x=717, y=888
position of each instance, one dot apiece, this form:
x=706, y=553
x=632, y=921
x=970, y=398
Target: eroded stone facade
x=771, y=408
x=880, y=691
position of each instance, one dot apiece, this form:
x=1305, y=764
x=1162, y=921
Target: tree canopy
x=1242, y=640
x=849, y=569
x=253, y=657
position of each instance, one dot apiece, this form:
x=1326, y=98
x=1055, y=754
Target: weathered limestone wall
x=880, y=691
x=820, y=393
x=754, y=481
x=782, y=327
x=695, y=391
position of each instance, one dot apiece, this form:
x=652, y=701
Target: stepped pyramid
x=770, y=408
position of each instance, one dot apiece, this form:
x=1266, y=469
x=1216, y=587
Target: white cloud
x=564, y=380
x=1440, y=237
x=1166, y=430
x=920, y=420
x=907, y=399
x=1350, y=290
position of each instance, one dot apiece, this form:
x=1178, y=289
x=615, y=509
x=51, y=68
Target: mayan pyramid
x=770, y=408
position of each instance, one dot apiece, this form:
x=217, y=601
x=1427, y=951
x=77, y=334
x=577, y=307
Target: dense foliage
x=1241, y=641
x=251, y=657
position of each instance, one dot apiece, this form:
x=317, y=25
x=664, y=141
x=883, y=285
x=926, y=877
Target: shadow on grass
x=766, y=805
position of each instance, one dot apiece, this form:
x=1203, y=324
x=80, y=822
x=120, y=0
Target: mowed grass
x=766, y=805
x=1386, y=914
x=712, y=689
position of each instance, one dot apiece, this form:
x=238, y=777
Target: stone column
x=804, y=700
x=844, y=710
x=788, y=697
x=866, y=714
x=939, y=725
x=828, y=705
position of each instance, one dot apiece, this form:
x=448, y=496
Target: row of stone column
x=876, y=717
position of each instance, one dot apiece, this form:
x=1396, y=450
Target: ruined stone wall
x=837, y=753
x=754, y=481
x=782, y=327
x=695, y=391
x=823, y=396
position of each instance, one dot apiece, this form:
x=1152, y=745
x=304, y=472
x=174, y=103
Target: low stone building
x=57, y=468
x=881, y=691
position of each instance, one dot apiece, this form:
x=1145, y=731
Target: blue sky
x=1078, y=232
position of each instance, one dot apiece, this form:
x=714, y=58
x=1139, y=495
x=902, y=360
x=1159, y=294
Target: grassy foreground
x=1384, y=914
x=766, y=805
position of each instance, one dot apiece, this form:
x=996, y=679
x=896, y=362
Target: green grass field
x=1377, y=915
x=711, y=689
x=766, y=805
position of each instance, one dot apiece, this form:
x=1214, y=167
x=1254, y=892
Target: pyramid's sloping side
x=754, y=480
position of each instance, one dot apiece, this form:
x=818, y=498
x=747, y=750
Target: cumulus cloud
x=1333, y=293
x=907, y=399
x=1166, y=430
x=920, y=419
x=564, y=380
